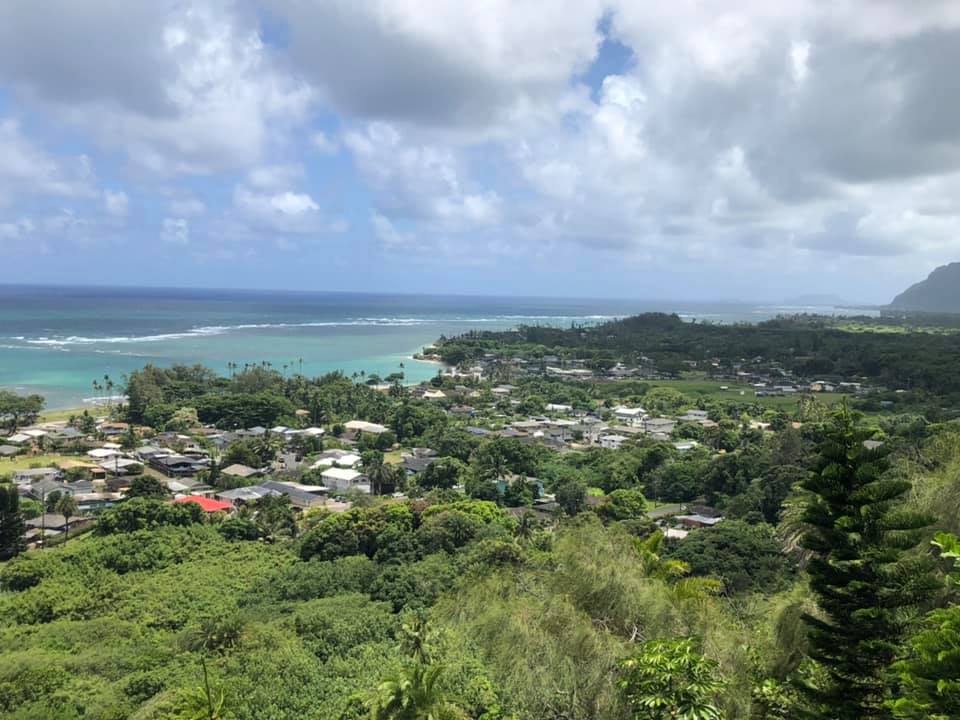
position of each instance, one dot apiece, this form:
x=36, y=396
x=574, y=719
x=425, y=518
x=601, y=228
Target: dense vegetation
x=828, y=591
x=812, y=347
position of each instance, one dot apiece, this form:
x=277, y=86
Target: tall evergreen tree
x=11, y=522
x=858, y=531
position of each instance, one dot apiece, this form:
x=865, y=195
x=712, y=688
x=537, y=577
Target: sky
x=693, y=149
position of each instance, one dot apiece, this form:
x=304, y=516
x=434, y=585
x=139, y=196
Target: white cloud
x=175, y=231
x=116, y=203
x=16, y=229
x=323, y=143
x=180, y=87
x=442, y=63
x=187, y=207
x=271, y=177
x=25, y=168
x=284, y=212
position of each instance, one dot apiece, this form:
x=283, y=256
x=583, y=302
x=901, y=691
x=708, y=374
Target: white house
x=364, y=426
x=559, y=408
x=629, y=416
x=693, y=416
x=344, y=479
x=434, y=395
x=612, y=442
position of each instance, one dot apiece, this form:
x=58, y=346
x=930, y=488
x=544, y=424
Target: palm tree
x=413, y=693
x=66, y=506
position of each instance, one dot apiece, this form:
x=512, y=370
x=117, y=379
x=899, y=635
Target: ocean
x=57, y=340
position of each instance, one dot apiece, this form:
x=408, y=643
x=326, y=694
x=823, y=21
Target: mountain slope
x=940, y=292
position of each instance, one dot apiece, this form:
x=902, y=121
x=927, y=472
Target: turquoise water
x=56, y=341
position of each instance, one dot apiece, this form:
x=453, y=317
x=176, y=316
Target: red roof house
x=209, y=505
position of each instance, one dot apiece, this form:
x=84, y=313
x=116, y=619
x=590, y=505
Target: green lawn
x=393, y=457
x=25, y=462
x=710, y=389
x=65, y=414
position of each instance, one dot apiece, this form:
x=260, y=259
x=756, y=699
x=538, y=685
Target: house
x=629, y=416
x=19, y=439
x=415, y=465
x=303, y=497
x=209, y=505
x=697, y=520
x=478, y=431
x=247, y=494
x=685, y=445
x=612, y=442
x=559, y=408
x=675, y=533
x=56, y=524
x=339, y=458
x=34, y=475
x=102, y=453
x=434, y=395
x=8, y=451
x=659, y=426
x=344, y=479
x=177, y=465
x=240, y=471
x=35, y=434
x=695, y=416
x=872, y=444
x=121, y=466
x=362, y=426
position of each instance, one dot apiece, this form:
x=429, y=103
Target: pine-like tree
x=11, y=522
x=866, y=587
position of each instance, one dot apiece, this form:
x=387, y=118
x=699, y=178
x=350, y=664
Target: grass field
x=65, y=414
x=25, y=462
x=710, y=389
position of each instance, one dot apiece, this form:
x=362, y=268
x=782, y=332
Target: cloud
x=179, y=87
x=269, y=177
x=323, y=144
x=187, y=206
x=175, y=231
x=25, y=168
x=439, y=63
x=285, y=212
x=116, y=203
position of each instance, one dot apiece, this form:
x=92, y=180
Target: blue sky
x=693, y=150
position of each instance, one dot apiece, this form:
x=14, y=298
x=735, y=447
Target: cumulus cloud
x=435, y=62
x=795, y=133
x=27, y=168
x=180, y=87
x=285, y=212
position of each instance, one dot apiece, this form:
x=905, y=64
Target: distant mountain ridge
x=940, y=292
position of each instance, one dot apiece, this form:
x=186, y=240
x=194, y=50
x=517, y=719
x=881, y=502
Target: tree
x=571, y=496
x=146, y=486
x=275, y=517
x=19, y=410
x=669, y=679
x=444, y=473
x=864, y=584
x=11, y=522
x=930, y=675
x=745, y=557
x=413, y=693
x=66, y=506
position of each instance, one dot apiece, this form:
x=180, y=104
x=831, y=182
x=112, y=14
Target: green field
x=66, y=413
x=710, y=389
x=25, y=462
